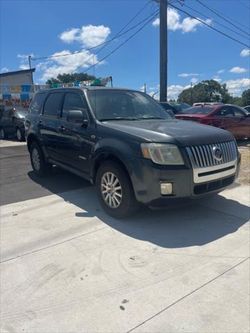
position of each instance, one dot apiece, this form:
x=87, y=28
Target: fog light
x=166, y=188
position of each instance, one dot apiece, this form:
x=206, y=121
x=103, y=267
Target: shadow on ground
x=191, y=224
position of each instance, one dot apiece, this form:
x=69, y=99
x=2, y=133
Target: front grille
x=203, y=156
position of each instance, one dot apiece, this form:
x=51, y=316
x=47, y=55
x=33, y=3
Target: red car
x=230, y=117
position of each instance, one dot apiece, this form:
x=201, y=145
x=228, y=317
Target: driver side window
x=73, y=101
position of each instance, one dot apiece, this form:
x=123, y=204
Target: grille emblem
x=217, y=153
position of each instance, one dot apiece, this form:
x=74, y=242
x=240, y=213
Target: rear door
x=49, y=123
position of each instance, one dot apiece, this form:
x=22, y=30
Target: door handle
x=62, y=129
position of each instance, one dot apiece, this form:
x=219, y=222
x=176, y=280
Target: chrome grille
x=202, y=156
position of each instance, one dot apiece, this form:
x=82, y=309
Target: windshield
x=124, y=105
x=198, y=110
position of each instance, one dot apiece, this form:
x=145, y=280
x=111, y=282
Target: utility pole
x=145, y=88
x=29, y=59
x=163, y=50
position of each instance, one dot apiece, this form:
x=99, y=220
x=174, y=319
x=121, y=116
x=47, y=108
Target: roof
x=82, y=88
x=18, y=72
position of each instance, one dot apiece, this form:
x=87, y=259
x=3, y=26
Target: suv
x=124, y=142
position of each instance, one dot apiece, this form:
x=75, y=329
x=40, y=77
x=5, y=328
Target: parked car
x=230, y=117
x=180, y=106
x=207, y=103
x=12, y=122
x=169, y=108
x=247, y=108
x=128, y=146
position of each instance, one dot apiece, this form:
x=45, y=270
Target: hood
x=183, y=133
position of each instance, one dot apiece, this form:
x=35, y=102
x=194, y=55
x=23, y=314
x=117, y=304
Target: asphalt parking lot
x=68, y=267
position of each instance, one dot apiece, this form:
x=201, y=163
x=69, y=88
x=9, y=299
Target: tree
x=245, y=98
x=205, y=91
x=73, y=77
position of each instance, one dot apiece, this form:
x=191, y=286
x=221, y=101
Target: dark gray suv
x=124, y=142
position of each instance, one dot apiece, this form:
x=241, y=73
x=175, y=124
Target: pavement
x=68, y=267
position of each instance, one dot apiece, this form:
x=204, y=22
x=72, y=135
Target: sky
x=56, y=29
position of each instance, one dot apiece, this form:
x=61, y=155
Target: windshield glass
x=198, y=110
x=124, y=105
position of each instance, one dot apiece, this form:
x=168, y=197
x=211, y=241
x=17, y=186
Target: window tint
x=238, y=112
x=73, y=101
x=225, y=112
x=52, y=105
x=35, y=106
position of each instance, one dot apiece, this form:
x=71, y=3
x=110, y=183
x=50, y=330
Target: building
x=23, y=77
x=16, y=86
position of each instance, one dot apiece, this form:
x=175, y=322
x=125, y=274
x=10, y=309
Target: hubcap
x=111, y=190
x=18, y=134
x=36, y=159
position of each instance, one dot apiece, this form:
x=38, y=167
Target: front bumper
x=146, y=178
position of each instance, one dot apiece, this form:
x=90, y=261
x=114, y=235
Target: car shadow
x=190, y=224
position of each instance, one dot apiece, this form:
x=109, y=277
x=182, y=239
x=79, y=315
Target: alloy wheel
x=111, y=190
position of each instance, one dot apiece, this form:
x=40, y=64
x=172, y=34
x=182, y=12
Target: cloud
x=24, y=62
x=245, y=53
x=194, y=80
x=174, y=90
x=217, y=78
x=64, y=63
x=4, y=70
x=87, y=36
x=238, y=70
x=176, y=23
x=236, y=87
x=220, y=71
x=188, y=74
x=69, y=36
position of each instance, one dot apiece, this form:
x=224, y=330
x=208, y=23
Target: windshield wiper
x=118, y=118
x=143, y=118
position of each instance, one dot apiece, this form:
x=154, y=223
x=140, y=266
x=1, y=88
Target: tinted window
x=35, y=106
x=225, y=112
x=238, y=112
x=52, y=106
x=73, y=101
x=198, y=110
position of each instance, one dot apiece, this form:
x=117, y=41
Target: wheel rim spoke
x=111, y=190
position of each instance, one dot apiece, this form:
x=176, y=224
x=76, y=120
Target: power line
x=119, y=34
x=222, y=17
x=210, y=26
x=126, y=40
x=219, y=23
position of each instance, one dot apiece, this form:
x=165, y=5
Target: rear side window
x=36, y=104
x=73, y=101
x=53, y=104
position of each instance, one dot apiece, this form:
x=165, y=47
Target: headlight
x=164, y=154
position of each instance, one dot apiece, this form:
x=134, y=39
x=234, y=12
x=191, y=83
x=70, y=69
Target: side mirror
x=78, y=117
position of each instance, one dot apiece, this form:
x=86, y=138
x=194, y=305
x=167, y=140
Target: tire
x=38, y=162
x=2, y=134
x=115, y=191
x=19, y=134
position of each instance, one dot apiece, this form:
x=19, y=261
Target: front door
x=76, y=141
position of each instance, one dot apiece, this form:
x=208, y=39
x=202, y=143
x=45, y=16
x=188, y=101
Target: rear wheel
x=115, y=191
x=39, y=165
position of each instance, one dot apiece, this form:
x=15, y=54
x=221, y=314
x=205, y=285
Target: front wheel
x=115, y=191
x=39, y=165
x=19, y=134
x=2, y=134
